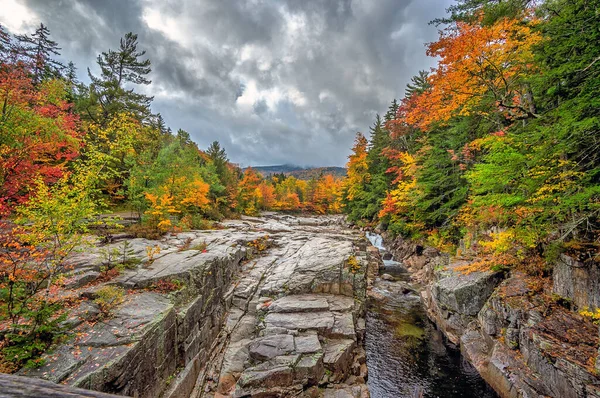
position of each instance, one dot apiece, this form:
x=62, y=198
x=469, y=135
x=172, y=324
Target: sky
x=274, y=81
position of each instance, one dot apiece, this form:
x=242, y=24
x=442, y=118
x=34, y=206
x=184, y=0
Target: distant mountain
x=316, y=172
x=302, y=173
x=277, y=169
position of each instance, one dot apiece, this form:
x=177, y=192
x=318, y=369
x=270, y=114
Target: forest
x=70, y=152
x=494, y=153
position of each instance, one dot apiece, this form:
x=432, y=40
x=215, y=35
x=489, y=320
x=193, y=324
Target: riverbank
x=519, y=331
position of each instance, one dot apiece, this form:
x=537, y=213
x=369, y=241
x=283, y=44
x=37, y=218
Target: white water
x=376, y=240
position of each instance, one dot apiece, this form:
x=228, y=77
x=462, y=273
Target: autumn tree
x=247, y=192
x=479, y=65
x=265, y=194
x=357, y=178
x=39, y=134
x=34, y=252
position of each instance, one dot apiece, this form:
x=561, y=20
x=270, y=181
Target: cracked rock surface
x=292, y=329
x=268, y=306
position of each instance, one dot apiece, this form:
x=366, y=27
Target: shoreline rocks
x=511, y=327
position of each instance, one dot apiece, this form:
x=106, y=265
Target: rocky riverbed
x=521, y=332
x=407, y=355
x=268, y=306
x=276, y=306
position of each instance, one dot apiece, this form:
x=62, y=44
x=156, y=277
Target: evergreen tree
x=378, y=164
x=71, y=74
x=184, y=138
x=218, y=156
x=392, y=111
x=72, y=83
x=38, y=49
x=118, y=68
x=418, y=85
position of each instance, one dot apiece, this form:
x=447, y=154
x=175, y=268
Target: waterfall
x=376, y=240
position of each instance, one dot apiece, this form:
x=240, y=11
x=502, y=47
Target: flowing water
x=406, y=355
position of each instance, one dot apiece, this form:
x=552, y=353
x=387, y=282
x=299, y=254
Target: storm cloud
x=274, y=81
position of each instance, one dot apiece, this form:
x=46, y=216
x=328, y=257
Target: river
x=406, y=355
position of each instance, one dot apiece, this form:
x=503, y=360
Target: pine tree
x=378, y=164
x=418, y=85
x=71, y=74
x=160, y=125
x=184, y=138
x=73, y=85
x=108, y=90
x=38, y=49
x=218, y=157
x=392, y=111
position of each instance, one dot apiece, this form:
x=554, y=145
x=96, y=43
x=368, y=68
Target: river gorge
x=300, y=306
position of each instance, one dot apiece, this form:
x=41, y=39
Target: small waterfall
x=376, y=240
x=389, y=263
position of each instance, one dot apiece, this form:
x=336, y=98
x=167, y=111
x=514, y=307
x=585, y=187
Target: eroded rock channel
x=266, y=307
x=407, y=354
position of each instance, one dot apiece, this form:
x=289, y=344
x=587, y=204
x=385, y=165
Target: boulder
x=338, y=356
x=387, y=277
x=465, y=293
x=307, y=344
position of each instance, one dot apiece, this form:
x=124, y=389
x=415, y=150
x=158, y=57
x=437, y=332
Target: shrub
x=200, y=247
x=152, y=251
x=108, y=298
x=166, y=286
x=260, y=244
x=353, y=264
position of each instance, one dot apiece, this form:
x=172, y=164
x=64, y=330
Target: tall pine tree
x=108, y=92
x=38, y=49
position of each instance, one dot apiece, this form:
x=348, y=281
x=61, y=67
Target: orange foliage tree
x=478, y=62
x=247, y=192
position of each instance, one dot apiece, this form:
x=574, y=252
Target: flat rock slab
x=307, y=344
x=269, y=347
x=319, y=321
x=99, y=344
x=312, y=303
x=24, y=387
x=300, y=303
x=319, y=261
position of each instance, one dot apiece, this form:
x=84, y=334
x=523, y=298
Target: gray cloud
x=274, y=82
